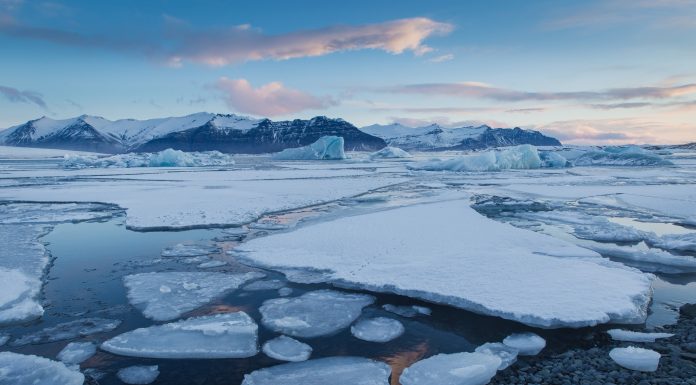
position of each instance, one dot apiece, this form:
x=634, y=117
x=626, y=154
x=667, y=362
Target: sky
x=586, y=72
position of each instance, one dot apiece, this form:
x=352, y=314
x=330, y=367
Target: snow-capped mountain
x=197, y=132
x=435, y=137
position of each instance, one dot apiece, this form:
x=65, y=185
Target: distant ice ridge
x=620, y=156
x=325, y=148
x=20, y=369
x=644, y=360
x=330, y=370
x=518, y=157
x=631, y=336
x=285, y=348
x=452, y=369
x=390, y=153
x=227, y=335
x=165, y=158
x=166, y=296
x=138, y=375
x=520, y=275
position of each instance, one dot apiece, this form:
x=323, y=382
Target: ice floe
x=77, y=352
x=378, y=329
x=138, y=375
x=620, y=156
x=519, y=275
x=227, y=335
x=652, y=260
x=313, y=314
x=390, y=153
x=165, y=158
x=631, y=336
x=285, y=348
x=183, y=250
x=330, y=370
x=644, y=360
x=20, y=369
x=518, y=157
x=168, y=295
x=527, y=344
x=325, y=148
x=452, y=369
x=68, y=330
x=507, y=354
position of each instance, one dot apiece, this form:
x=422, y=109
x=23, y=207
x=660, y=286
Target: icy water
x=85, y=280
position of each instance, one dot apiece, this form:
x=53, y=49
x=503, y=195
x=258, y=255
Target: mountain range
x=231, y=133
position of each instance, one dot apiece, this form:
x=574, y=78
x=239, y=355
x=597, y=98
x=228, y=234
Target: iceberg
x=68, y=330
x=313, y=314
x=518, y=157
x=183, y=250
x=390, y=153
x=644, y=360
x=631, y=336
x=226, y=335
x=620, y=156
x=527, y=344
x=507, y=354
x=452, y=369
x=165, y=158
x=492, y=268
x=166, y=296
x=378, y=329
x=330, y=370
x=138, y=375
x=551, y=159
x=20, y=369
x=77, y=352
x=325, y=148
x=284, y=348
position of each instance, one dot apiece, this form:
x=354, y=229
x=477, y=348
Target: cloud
x=16, y=96
x=268, y=100
x=444, y=121
x=486, y=91
x=619, y=131
x=180, y=42
x=441, y=58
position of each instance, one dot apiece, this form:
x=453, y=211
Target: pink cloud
x=619, y=131
x=271, y=99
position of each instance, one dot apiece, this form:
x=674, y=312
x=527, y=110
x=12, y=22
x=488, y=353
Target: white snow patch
x=20, y=369
x=644, y=360
x=284, y=348
x=330, y=370
x=452, y=369
x=378, y=329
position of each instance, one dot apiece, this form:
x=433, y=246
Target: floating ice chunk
x=452, y=369
x=68, y=330
x=406, y=311
x=285, y=348
x=165, y=158
x=4, y=338
x=390, y=153
x=20, y=369
x=678, y=242
x=631, y=336
x=330, y=370
x=52, y=213
x=620, y=156
x=270, y=284
x=138, y=375
x=422, y=310
x=284, y=291
x=644, y=360
x=313, y=314
x=166, y=296
x=519, y=157
x=77, y=352
x=18, y=297
x=652, y=260
x=378, y=329
x=211, y=264
x=227, y=335
x=507, y=354
x=528, y=344
x=326, y=147
x=189, y=250
x=551, y=159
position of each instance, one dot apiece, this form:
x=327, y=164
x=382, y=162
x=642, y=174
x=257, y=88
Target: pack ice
x=165, y=158
x=20, y=369
x=518, y=157
x=492, y=268
x=313, y=314
x=227, y=335
x=325, y=148
x=452, y=369
x=166, y=296
x=285, y=348
x=330, y=370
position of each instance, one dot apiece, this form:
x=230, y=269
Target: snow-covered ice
x=378, y=329
x=518, y=157
x=644, y=360
x=452, y=369
x=183, y=250
x=168, y=295
x=678, y=242
x=165, y=158
x=507, y=354
x=390, y=153
x=313, y=314
x=652, y=260
x=519, y=274
x=527, y=344
x=631, y=336
x=330, y=370
x=138, y=375
x=285, y=348
x=20, y=369
x=77, y=352
x=68, y=330
x=226, y=335
x=325, y=148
